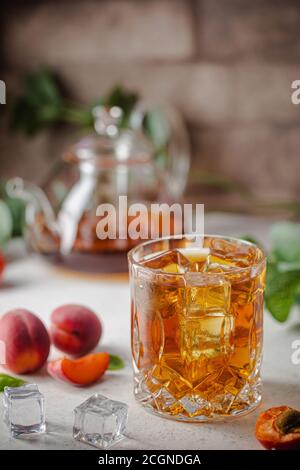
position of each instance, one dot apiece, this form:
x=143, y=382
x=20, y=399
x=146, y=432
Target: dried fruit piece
x=83, y=371
x=279, y=428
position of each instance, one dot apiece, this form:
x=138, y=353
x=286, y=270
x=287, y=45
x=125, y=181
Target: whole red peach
x=26, y=340
x=75, y=329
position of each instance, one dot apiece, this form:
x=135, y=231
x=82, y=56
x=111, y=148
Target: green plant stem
x=71, y=114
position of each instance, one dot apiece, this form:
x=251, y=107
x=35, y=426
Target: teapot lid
x=111, y=146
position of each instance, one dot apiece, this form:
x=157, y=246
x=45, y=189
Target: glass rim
x=233, y=271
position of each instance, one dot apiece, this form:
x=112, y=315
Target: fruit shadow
x=40, y=374
x=15, y=284
x=125, y=354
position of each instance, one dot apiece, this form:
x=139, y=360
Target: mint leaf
x=9, y=381
x=285, y=241
x=157, y=128
x=40, y=104
x=124, y=99
x=17, y=210
x=115, y=362
x=281, y=291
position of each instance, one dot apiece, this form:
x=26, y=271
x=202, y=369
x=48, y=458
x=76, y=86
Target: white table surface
x=31, y=283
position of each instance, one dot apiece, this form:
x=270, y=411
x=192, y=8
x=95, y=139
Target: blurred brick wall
x=226, y=64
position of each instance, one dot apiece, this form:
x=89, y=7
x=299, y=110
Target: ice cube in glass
x=24, y=410
x=100, y=422
x=170, y=261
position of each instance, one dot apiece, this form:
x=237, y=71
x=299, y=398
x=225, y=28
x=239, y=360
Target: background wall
x=226, y=64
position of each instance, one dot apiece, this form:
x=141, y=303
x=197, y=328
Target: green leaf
x=39, y=105
x=281, y=291
x=285, y=241
x=156, y=128
x=115, y=362
x=6, y=223
x=17, y=210
x=9, y=381
x=124, y=99
x=120, y=96
x=42, y=104
x=41, y=86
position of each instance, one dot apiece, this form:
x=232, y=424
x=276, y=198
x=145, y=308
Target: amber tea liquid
x=197, y=323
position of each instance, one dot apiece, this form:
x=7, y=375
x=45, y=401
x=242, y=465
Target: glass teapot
x=62, y=218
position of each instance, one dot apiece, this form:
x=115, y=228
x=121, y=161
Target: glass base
x=202, y=418
x=193, y=408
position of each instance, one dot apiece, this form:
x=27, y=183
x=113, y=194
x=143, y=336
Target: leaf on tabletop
x=115, y=362
x=9, y=381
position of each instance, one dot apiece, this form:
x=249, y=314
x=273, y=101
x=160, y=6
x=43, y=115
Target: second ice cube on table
x=100, y=422
x=24, y=410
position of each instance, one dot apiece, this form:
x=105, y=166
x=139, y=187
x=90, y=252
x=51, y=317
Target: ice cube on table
x=100, y=422
x=24, y=410
x=8, y=392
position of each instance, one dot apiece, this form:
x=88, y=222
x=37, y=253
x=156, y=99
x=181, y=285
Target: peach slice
x=83, y=371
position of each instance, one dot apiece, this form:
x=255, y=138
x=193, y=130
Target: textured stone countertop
x=31, y=283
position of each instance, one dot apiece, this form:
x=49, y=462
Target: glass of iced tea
x=197, y=325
